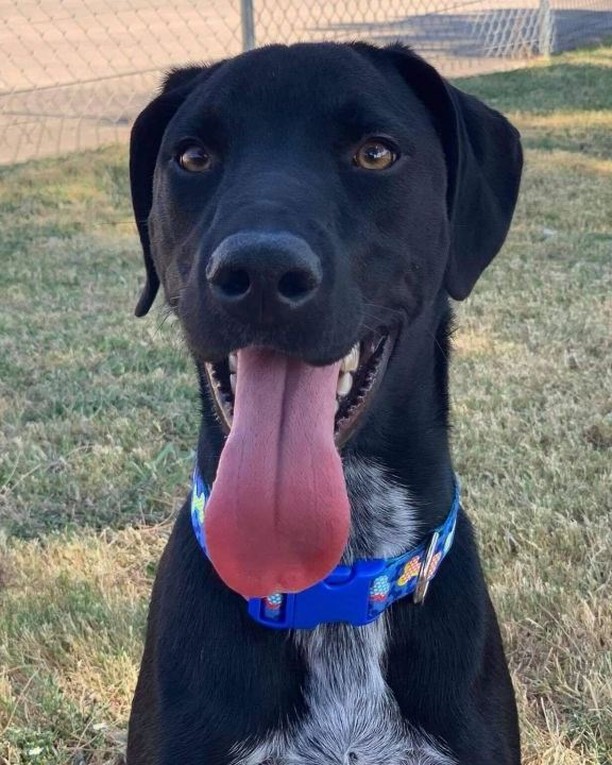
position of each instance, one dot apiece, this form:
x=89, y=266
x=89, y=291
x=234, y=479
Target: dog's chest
x=351, y=716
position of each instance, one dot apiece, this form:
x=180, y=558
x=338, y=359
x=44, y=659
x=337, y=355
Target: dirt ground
x=73, y=73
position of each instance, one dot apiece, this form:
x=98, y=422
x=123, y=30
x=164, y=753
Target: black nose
x=263, y=277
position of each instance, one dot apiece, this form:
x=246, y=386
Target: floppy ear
x=484, y=160
x=145, y=140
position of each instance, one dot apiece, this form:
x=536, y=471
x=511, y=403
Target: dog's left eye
x=194, y=159
x=375, y=154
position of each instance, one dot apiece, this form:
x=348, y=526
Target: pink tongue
x=278, y=516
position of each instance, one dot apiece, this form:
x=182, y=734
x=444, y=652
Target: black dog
x=309, y=210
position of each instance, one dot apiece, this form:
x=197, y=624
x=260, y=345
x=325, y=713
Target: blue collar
x=355, y=594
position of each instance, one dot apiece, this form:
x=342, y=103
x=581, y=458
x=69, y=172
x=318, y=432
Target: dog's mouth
x=278, y=516
x=359, y=376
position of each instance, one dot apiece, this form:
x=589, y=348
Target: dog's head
x=302, y=206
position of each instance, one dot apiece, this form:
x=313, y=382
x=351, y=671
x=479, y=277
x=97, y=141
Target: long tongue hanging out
x=278, y=516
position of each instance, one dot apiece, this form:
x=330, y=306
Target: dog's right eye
x=194, y=159
x=376, y=154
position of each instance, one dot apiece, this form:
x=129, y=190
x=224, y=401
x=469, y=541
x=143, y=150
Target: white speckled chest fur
x=353, y=718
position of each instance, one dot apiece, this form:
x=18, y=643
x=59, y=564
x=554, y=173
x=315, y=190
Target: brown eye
x=194, y=159
x=375, y=154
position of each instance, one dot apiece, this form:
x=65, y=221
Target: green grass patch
x=91, y=425
x=99, y=415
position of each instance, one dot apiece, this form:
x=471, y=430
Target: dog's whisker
x=438, y=345
x=385, y=308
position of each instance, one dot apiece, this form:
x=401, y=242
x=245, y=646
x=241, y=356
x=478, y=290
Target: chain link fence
x=74, y=73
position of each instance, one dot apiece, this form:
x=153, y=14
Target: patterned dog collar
x=355, y=594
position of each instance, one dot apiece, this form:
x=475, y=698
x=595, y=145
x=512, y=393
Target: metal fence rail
x=74, y=73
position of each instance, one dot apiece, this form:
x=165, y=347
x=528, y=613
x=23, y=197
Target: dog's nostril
x=296, y=284
x=234, y=283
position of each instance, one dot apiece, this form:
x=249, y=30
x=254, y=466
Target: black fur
x=283, y=124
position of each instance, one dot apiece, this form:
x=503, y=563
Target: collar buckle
x=341, y=597
x=428, y=569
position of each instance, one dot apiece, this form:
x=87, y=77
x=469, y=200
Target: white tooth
x=233, y=362
x=345, y=383
x=337, y=407
x=233, y=383
x=351, y=361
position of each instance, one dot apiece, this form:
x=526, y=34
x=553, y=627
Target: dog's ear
x=145, y=140
x=484, y=160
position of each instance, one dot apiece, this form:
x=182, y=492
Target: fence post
x=546, y=42
x=247, y=20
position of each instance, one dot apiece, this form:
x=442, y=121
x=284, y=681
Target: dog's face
x=323, y=149
x=302, y=207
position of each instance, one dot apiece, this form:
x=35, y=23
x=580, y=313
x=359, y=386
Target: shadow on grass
x=485, y=35
x=563, y=86
x=564, y=106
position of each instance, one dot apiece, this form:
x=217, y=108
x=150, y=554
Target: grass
x=98, y=418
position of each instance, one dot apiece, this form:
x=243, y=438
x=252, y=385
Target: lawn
x=98, y=420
